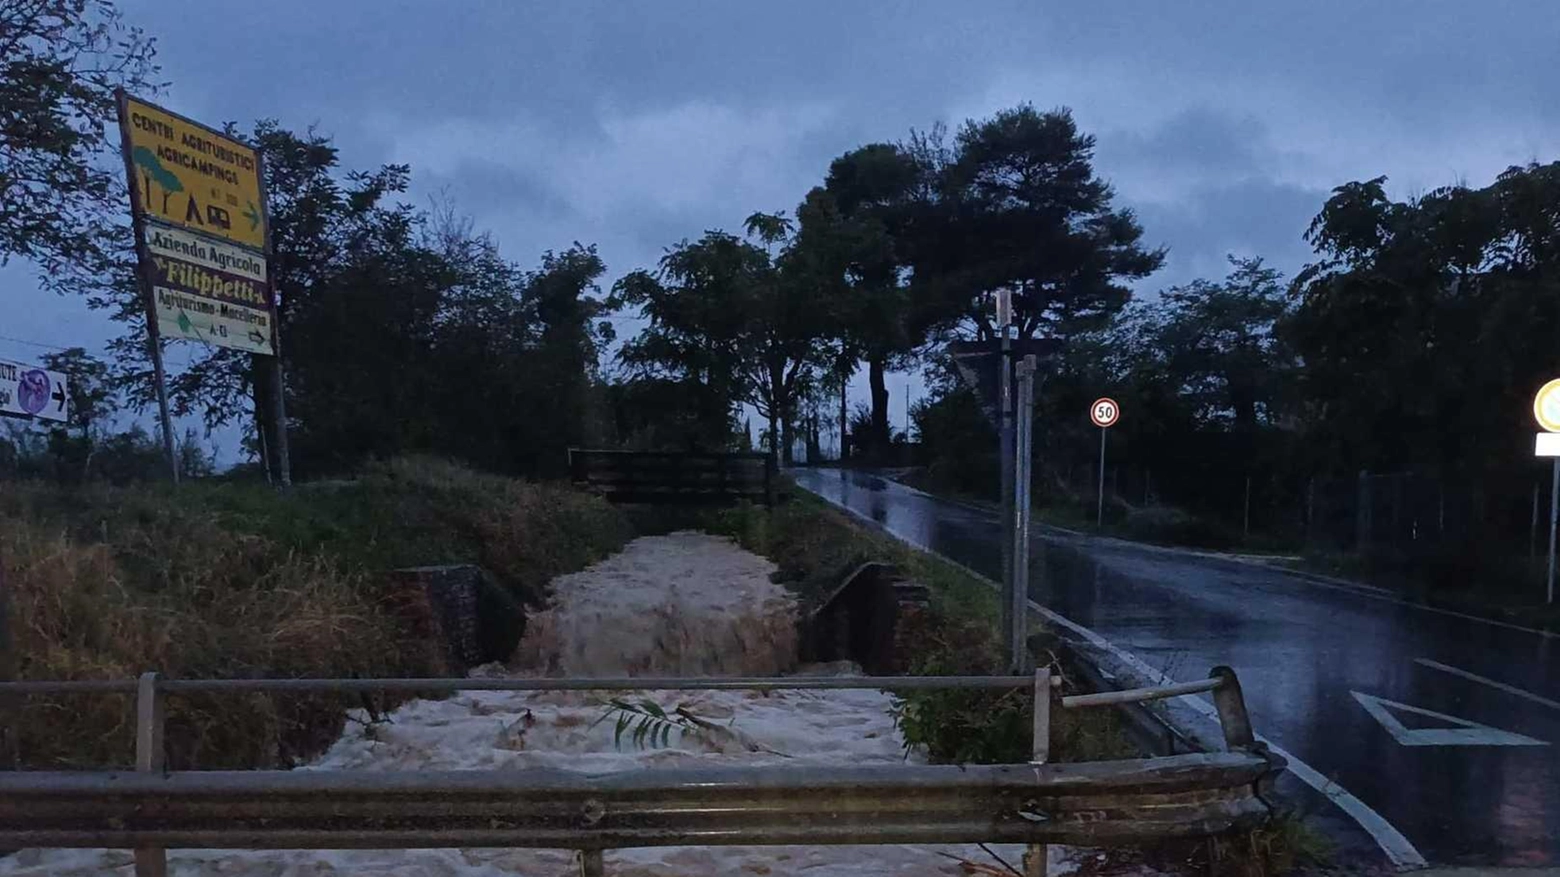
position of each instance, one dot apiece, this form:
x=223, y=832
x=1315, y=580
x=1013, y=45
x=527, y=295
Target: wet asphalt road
x=1315, y=661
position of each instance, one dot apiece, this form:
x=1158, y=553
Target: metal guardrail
x=1036, y=804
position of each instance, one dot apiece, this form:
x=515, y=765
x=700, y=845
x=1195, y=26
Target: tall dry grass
x=232, y=581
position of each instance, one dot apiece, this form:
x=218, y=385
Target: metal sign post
x=1546, y=410
x=1018, y=611
x=143, y=266
x=1554, y=512
x=1104, y=413
x=1005, y=451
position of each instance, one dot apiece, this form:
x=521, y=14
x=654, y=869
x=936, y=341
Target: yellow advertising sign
x=187, y=175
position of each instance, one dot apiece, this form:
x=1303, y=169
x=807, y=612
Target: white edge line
x=1397, y=848
x=1509, y=689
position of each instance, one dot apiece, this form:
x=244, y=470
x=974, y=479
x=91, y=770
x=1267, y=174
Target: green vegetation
x=815, y=546
x=222, y=580
x=1285, y=845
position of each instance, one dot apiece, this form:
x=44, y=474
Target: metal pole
x=278, y=388
x=1035, y=863
x=1099, y=514
x=149, y=861
x=1005, y=453
x=144, y=275
x=1533, y=527
x=279, y=413
x=1019, y=611
x=1554, y=509
x=1245, y=526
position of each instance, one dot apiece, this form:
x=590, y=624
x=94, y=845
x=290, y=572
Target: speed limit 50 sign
x=1104, y=412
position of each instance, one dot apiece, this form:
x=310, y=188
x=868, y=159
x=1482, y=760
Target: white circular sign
x=1546, y=406
x=1104, y=412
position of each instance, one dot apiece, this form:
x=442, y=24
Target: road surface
x=1445, y=725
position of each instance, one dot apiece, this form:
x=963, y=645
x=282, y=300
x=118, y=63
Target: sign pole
x=1103, y=413
x=278, y=388
x=1099, y=512
x=1018, y=612
x=1006, y=455
x=279, y=413
x=1554, y=511
x=145, y=286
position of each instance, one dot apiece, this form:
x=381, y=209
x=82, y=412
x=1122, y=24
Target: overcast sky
x=632, y=125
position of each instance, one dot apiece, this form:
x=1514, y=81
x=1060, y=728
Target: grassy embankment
x=220, y=579
x=816, y=545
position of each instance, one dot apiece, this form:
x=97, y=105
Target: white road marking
x=1465, y=734
x=1402, y=852
x=1509, y=689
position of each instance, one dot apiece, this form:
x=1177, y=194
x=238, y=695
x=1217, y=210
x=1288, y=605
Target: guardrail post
x=591, y=864
x=1042, y=730
x=149, y=758
x=1035, y=856
x=1231, y=704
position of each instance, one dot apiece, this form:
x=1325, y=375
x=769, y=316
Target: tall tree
x=1215, y=343
x=1019, y=207
x=866, y=206
x=1425, y=325
x=753, y=317
x=61, y=190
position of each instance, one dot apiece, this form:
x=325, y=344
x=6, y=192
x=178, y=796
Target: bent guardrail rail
x=1094, y=803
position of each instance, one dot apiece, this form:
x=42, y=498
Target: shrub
x=962, y=726
x=1172, y=526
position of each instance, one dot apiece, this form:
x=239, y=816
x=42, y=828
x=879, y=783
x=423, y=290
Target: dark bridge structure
x=676, y=477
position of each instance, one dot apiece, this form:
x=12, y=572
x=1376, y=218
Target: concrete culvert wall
x=859, y=620
x=474, y=619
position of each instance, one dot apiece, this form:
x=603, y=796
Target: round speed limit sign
x=1104, y=412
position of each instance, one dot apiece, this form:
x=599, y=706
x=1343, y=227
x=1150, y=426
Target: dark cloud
x=1245, y=218
x=633, y=125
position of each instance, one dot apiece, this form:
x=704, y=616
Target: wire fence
x=1407, y=514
